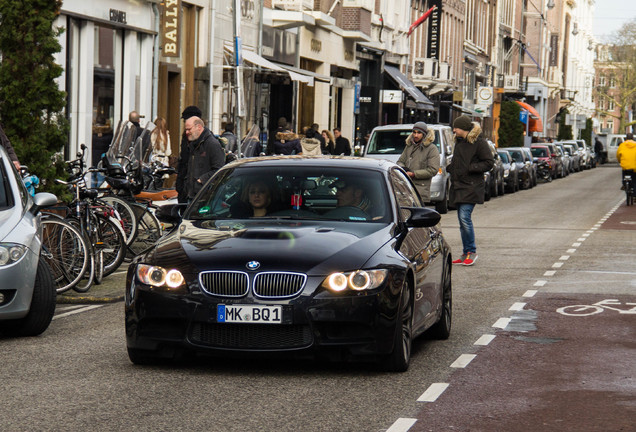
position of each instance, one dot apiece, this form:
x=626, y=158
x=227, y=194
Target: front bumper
x=16, y=286
x=315, y=323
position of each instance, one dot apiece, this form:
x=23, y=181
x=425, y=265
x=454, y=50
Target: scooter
x=543, y=170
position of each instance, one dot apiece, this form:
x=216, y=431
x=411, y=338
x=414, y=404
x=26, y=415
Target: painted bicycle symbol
x=586, y=310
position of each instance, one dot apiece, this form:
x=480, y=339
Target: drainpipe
x=211, y=63
x=155, y=64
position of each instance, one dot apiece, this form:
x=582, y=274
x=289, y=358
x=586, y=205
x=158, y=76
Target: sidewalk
x=111, y=290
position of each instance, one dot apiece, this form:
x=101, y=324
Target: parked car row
x=564, y=157
x=515, y=167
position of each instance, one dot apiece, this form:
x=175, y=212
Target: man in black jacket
x=184, y=156
x=471, y=159
x=342, y=144
x=206, y=156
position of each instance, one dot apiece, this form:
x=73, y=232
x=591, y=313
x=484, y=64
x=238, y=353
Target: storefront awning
x=317, y=77
x=534, y=119
x=257, y=60
x=405, y=84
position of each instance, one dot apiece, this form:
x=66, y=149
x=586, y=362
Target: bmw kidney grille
x=265, y=285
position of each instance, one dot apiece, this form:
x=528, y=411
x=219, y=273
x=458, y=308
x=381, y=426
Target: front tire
x=400, y=358
x=42, y=306
x=442, y=328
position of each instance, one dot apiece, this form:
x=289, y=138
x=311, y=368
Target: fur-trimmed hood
x=286, y=136
x=310, y=146
x=429, y=138
x=474, y=133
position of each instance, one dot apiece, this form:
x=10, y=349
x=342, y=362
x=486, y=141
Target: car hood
x=303, y=246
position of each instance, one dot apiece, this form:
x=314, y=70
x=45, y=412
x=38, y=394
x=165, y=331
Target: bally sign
x=170, y=19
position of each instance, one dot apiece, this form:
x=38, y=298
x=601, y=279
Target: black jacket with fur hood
x=471, y=159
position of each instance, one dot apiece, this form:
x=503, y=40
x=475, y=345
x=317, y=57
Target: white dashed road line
x=402, y=425
x=434, y=391
x=530, y=293
x=76, y=311
x=502, y=323
x=463, y=361
x=517, y=307
x=484, y=340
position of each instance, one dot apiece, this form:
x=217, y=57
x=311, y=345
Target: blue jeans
x=464, y=213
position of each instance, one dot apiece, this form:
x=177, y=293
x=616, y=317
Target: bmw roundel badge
x=253, y=265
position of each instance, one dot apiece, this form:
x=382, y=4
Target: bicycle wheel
x=148, y=230
x=127, y=215
x=87, y=280
x=65, y=250
x=113, y=241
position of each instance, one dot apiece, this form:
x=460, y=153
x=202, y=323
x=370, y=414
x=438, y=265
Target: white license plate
x=248, y=314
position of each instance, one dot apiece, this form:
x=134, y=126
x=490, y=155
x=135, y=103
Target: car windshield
x=539, y=152
x=504, y=157
x=516, y=155
x=293, y=192
x=392, y=141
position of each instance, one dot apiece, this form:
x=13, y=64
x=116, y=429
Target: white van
x=612, y=143
x=387, y=142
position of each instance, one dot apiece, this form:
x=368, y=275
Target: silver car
x=387, y=142
x=27, y=291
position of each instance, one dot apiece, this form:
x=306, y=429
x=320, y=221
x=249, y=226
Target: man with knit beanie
x=420, y=159
x=471, y=159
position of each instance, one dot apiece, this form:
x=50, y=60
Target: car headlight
x=358, y=280
x=506, y=172
x=11, y=253
x=159, y=276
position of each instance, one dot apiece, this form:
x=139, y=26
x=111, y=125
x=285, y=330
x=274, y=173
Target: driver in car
x=349, y=193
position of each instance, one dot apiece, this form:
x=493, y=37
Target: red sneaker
x=471, y=257
x=460, y=260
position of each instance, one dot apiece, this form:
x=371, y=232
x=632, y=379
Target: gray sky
x=610, y=15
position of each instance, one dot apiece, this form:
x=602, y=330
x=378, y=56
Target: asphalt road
x=77, y=375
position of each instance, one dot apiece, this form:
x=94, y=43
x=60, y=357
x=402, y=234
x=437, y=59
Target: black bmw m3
x=325, y=256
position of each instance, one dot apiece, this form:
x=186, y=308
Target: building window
x=601, y=80
x=610, y=105
x=612, y=82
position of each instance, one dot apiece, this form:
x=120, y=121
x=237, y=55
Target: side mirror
x=170, y=213
x=422, y=217
x=41, y=200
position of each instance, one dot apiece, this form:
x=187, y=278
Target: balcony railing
x=293, y=5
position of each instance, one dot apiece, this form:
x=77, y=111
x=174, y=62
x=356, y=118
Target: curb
x=61, y=299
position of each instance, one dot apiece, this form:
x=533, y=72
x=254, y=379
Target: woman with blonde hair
x=330, y=142
x=160, y=139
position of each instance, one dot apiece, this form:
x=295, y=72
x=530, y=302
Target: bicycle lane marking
x=521, y=323
x=77, y=310
x=546, y=370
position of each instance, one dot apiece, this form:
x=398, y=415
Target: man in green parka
x=420, y=158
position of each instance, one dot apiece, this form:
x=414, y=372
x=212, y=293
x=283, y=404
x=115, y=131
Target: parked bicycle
x=98, y=224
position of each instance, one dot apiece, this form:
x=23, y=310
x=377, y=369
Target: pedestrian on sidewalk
x=343, y=147
x=420, y=158
x=184, y=156
x=471, y=159
x=205, y=158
